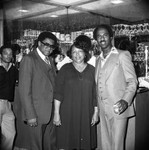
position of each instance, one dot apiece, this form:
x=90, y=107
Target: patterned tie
x=47, y=60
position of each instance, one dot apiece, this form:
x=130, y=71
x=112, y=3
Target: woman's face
x=78, y=55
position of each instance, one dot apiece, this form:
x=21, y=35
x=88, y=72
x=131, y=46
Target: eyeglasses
x=48, y=45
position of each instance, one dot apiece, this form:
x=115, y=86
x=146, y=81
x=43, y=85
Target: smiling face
x=103, y=39
x=6, y=55
x=78, y=55
x=46, y=46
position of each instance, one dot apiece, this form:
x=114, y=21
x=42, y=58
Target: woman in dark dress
x=75, y=103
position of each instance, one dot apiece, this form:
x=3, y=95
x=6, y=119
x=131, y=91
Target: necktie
x=47, y=60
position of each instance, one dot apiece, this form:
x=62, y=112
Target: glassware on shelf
x=127, y=32
x=139, y=31
x=140, y=47
x=139, y=56
x=140, y=28
x=116, y=29
x=120, y=29
x=145, y=28
x=130, y=29
x=135, y=28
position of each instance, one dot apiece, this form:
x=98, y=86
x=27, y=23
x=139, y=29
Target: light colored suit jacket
x=116, y=80
x=36, y=83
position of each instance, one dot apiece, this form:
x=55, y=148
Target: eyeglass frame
x=48, y=45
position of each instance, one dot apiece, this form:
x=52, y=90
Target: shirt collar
x=1, y=64
x=40, y=54
x=113, y=50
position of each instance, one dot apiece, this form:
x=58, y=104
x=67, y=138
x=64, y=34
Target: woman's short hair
x=103, y=26
x=82, y=42
x=16, y=48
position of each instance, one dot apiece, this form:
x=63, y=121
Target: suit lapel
x=110, y=64
x=98, y=68
x=44, y=68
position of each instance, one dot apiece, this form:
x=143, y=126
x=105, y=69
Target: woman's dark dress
x=77, y=94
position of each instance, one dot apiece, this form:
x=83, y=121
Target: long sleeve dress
x=77, y=94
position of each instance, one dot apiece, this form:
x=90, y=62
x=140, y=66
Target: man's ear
x=39, y=43
x=112, y=40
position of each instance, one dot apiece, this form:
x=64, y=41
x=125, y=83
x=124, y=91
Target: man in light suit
x=36, y=83
x=116, y=87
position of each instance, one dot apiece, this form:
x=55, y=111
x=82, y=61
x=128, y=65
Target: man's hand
x=32, y=122
x=121, y=106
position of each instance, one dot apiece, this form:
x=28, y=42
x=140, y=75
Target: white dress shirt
x=103, y=60
x=43, y=57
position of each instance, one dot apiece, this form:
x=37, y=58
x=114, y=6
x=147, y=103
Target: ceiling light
x=54, y=16
x=23, y=10
x=66, y=2
x=116, y=1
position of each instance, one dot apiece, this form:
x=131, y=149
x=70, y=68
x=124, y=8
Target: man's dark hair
x=5, y=46
x=103, y=26
x=46, y=34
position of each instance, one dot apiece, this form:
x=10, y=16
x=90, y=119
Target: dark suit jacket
x=36, y=83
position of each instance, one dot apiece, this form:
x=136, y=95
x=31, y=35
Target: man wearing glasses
x=36, y=82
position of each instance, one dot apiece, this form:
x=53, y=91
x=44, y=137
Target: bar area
x=22, y=21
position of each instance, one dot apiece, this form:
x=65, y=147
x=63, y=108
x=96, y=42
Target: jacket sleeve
x=130, y=76
x=25, y=88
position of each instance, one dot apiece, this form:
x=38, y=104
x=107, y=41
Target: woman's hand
x=56, y=119
x=95, y=117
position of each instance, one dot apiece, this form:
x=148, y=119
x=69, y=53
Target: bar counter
x=142, y=121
